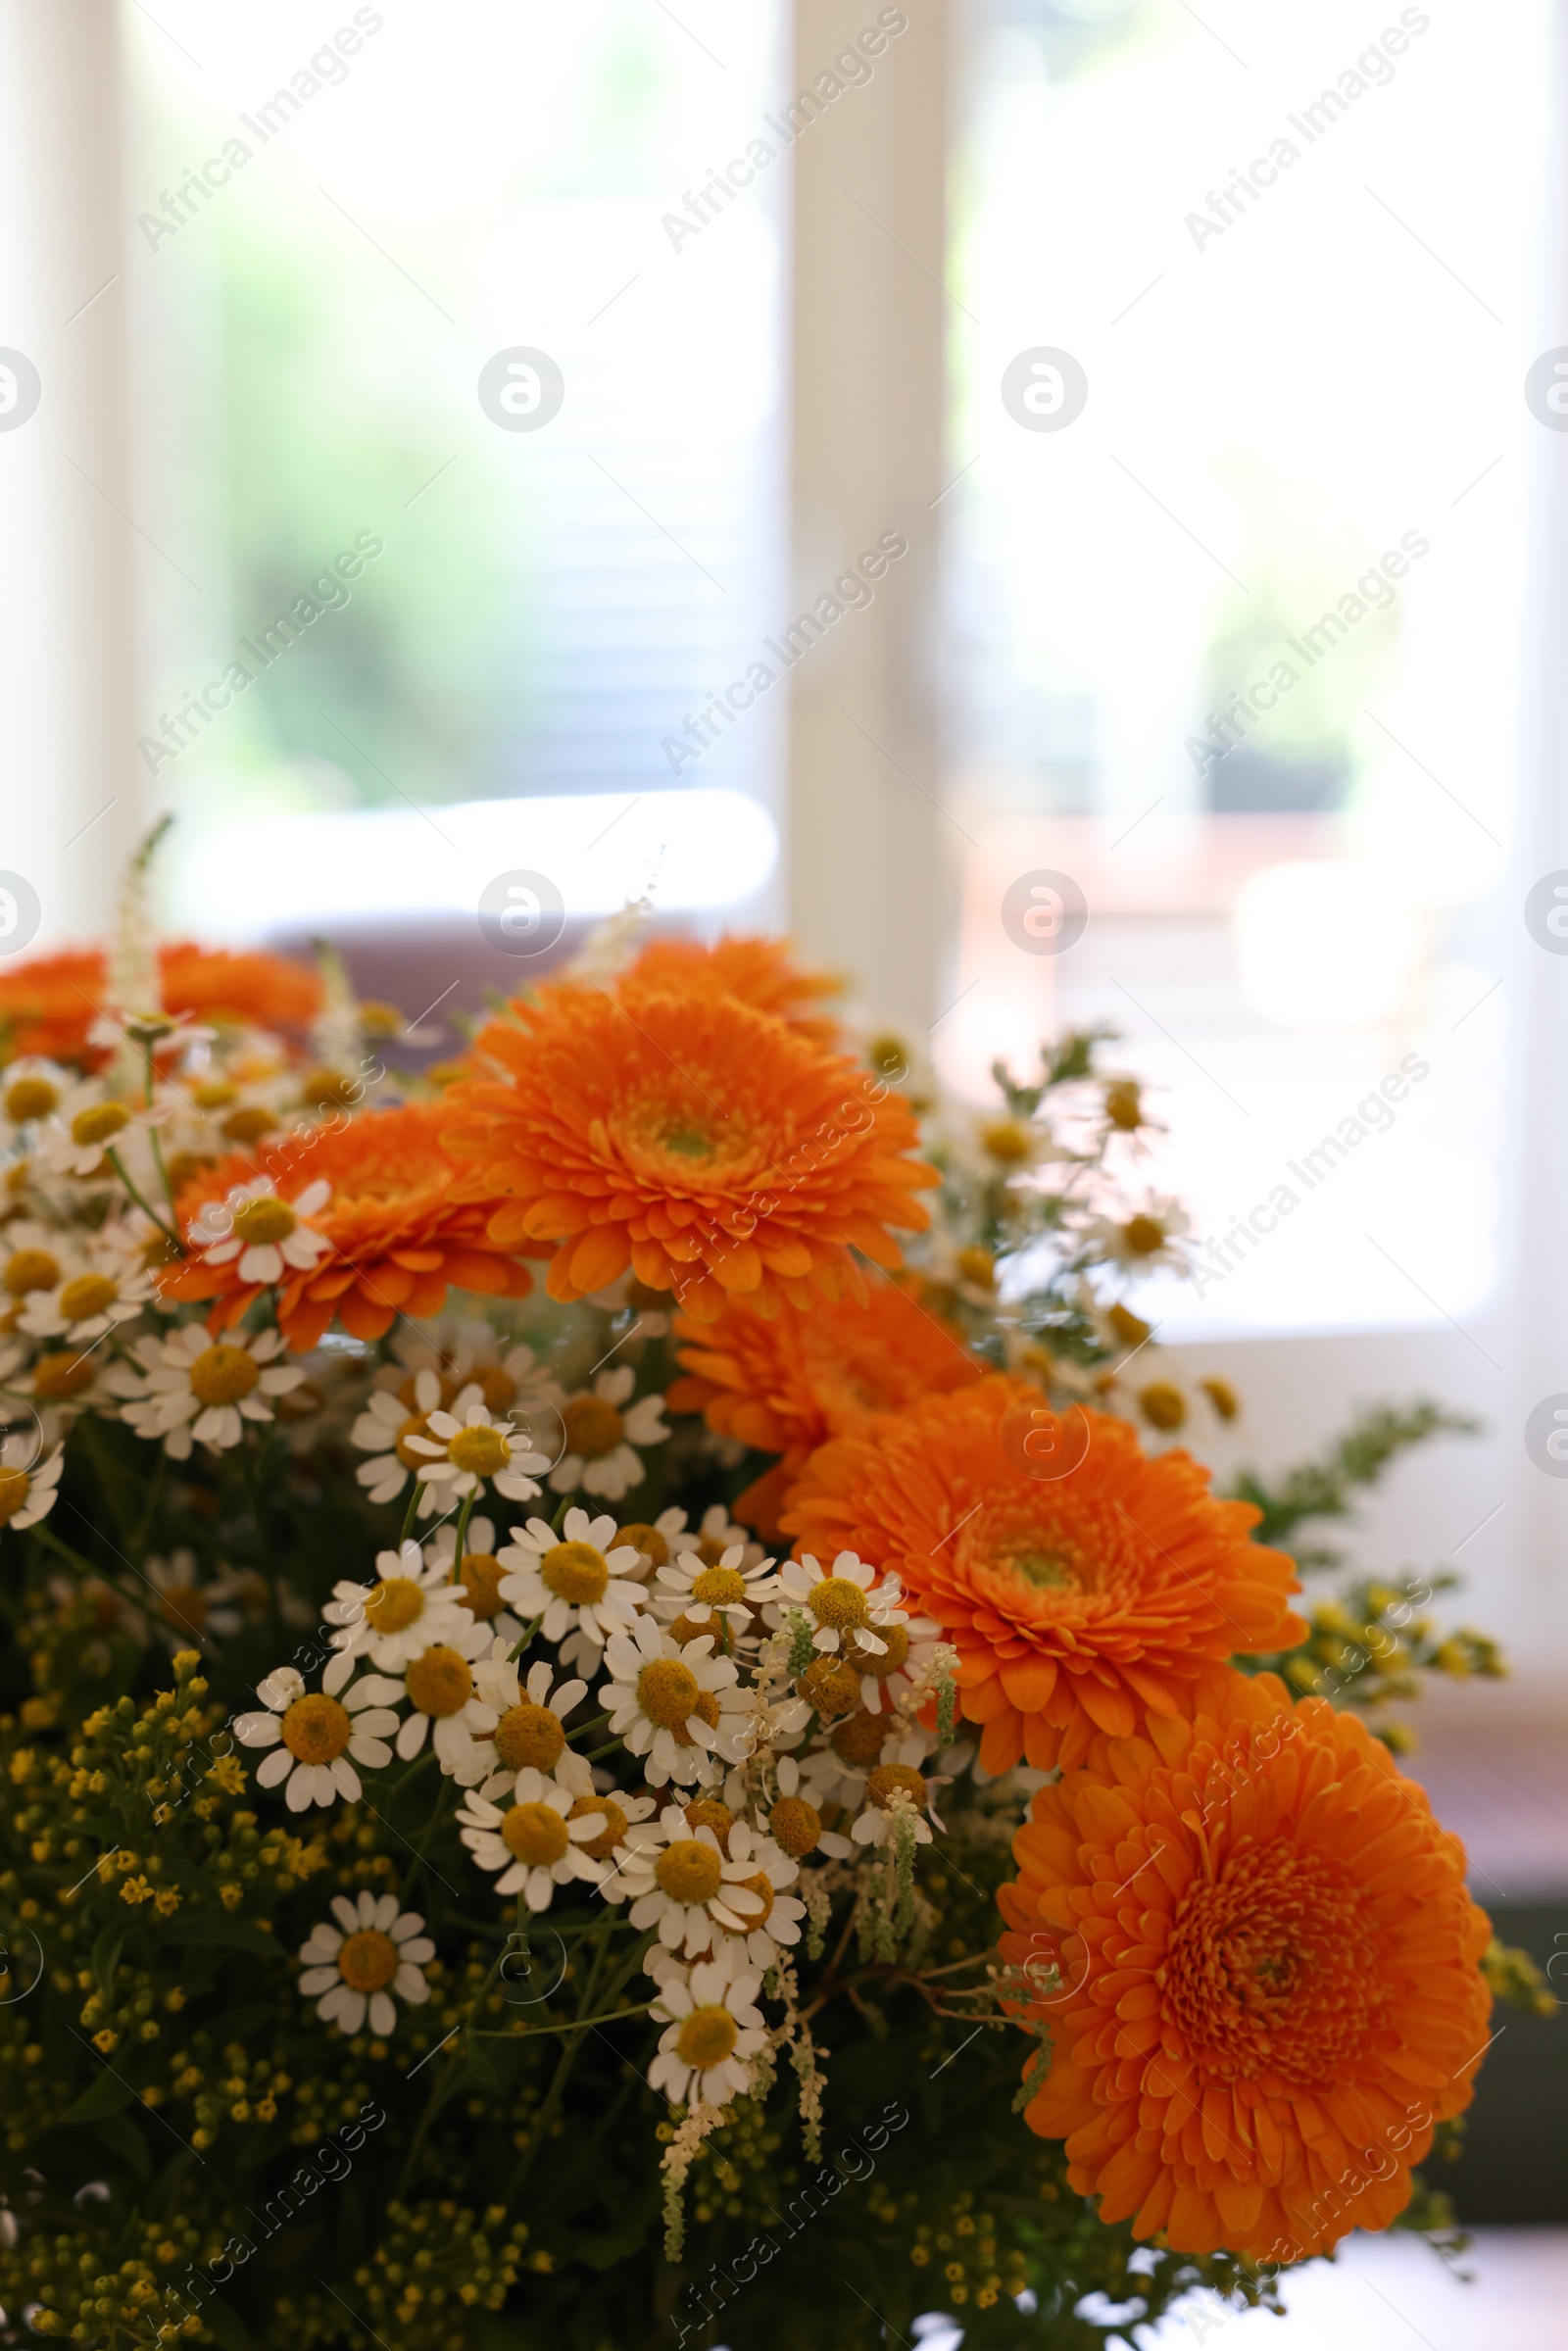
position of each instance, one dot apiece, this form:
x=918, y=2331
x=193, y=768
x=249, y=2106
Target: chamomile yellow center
x=706, y=2038
x=221, y=1375
x=859, y=1740
x=795, y=1824
x=593, y=1427
x=185, y=1608
x=707, y=1812
x=368, y=1960
x=839, y=1603
x=498, y=1387
x=529, y=1735
x=481, y=1451
x=754, y=1912
x=15, y=1485
x=249, y=1123
x=601, y=1847
x=439, y=1681
x=479, y=1582
x=98, y=1122
x=667, y=1692
x=879, y=1663
x=534, y=1834
x=688, y=1870
x=891, y=1779
x=316, y=1729
x=576, y=1572
x=59, y=1376
x=703, y=1709
x=394, y=1604
x=89, y=1294
x=260, y=1221
x=31, y=1269
x=30, y=1098
x=1142, y=1236
x=719, y=1587
x=647, y=1541
x=831, y=1686
x=415, y=1426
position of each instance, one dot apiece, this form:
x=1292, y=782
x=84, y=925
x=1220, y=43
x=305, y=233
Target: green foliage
x=1328, y=1486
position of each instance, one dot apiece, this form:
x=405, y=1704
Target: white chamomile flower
x=837, y=1772
x=408, y=1607
x=191, y=1386
x=535, y=1841
x=444, y=1704
x=374, y=1952
x=756, y=1910
x=313, y=1735
x=33, y=1089
x=602, y=1436
x=705, y=2056
x=530, y=1719
x=654, y=1542
x=794, y=1820
x=188, y=1607
x=1150, y=1235
x=893, y=1792
x=577, y=1581
x=383, y=1429
x=679, y=1878
x=724, y=1599
x=841, y=1601
x=87, y=1124
x=89, y=1302
x=680, y=1707
x=28, y=1486
x=268, y=1235
x=476, y=1583
x=463, y=1449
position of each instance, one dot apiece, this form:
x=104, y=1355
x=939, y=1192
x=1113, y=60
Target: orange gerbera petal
x=759, y=971
x=706, y=1143
x=1260, y=2016
x=786, y=1383
x=397, y=1235
x=1076, y=1600
x=48, y=1004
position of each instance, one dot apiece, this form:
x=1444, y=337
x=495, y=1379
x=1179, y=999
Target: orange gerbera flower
x=1079, y=1581
x=701, y=1142
x=760, y=971
x=48, y=1004
x=788, y=1383
x=1267, y=1959
x=395, y=1238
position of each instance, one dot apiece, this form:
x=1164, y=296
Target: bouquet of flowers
x=621, y=1723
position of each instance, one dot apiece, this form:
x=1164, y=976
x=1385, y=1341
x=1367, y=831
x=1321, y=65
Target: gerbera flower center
x=534, y=1834
x=666, y=1691
x=185, y=1608
x=600, y=1847
x=838, y=1603
x=260, y=1221
x=415, y=1426
x=719, y=1587
x=593, y=1427
x=480, y=1451
x=221, y=1375
x=703, y=1708
x=688, y=1870
x=529, y=1735
x=892, y=1780
x=394, y=1604
x=89, y=1294
x=1142, y=1236
x=1271, y=1966
x=31, y=1269
x=316, y=1729
x=59, y=1376
x=795, y=1824
x=647, y=1541
x=368, y=1960
x=439, y=1681
x=14, y=1489
x=30, y=1098
x=707, y=1812
x=479, y=1582
x=706, y=2038
x=881, y=1663
x=98, y=1122
x=576, y=1572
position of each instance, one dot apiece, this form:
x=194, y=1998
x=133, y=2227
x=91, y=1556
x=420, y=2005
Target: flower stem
x=520, y=1645
x=583, y=1729
x=142, y=1203
x=463, y=1516
x=408, y=1515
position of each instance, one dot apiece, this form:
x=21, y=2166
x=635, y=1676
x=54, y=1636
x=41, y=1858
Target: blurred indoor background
x=443, y=418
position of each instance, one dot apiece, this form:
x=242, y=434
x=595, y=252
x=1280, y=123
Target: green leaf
x=107, y=2095
x=224, y=2326
x=215, y=1927
x=105, y=1953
